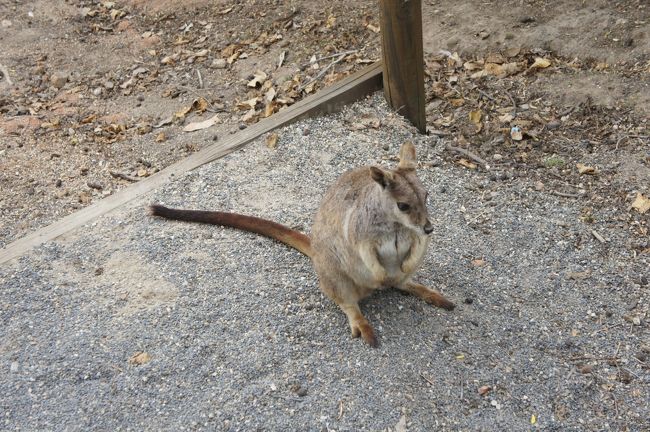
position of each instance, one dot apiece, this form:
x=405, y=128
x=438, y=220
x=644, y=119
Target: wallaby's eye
x=403, y=206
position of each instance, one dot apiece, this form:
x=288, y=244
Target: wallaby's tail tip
x=157, y=210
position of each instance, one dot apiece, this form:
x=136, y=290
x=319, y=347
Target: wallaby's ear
x=407, y=159
x=383, y=177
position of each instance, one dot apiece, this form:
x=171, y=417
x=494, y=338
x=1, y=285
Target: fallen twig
x=322, y=72
x=590, y=357
x=486, y=95
x=565, y=194
x=340, y=409
x=123, y=176
x=329, y=57
x=427, y=379
x=198, y=74
x=470, y=155
x=598, y=236
x=514, y=104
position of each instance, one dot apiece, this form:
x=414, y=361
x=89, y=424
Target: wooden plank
x=401, y=40
x=328, y=100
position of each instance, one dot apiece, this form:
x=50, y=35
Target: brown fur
x=371, y=232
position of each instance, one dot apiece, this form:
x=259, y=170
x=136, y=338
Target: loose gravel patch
x=551, y=324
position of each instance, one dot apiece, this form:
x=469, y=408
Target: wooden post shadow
x=403, y=60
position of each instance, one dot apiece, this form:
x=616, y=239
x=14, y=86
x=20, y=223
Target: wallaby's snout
x=428, y=228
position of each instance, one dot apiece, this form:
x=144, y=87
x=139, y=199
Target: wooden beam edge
x=328, y=100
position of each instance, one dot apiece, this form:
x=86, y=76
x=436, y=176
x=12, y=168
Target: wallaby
x=370, y=232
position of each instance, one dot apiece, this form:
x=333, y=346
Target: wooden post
x=403, y=61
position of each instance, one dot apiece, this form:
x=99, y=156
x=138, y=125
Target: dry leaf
x=161, y=137
x=200, y=105
x=373, y=28
x=483, y=390
x=584, y=169
x=457, y=102
x=310, y=87
x=231, y=50
x=331, y=21
x=641, y=203
x=183, y=112
x=167, y=60
x=466, y=163
x=272, y=140
x=541, y=63
x=202, y=124
x=248, y=117
x=116, y=13
x=506, y=118
x=586, y=369
x=231, y=59
x=502, y=70
x=472, y=65
x=475, y=116
x=248, y=104
x=478, y=262
x=89, y=119
x=225, y=11
x=140, y=358
x=578, y=275
x=495, y=58
x=479, y=74
x=270, y=94
x=258, y=78
x=283, y=55
x=533, y=419
x=270, y=108
x=494, y=69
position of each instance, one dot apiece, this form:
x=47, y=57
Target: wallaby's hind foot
x=429, y=295
x=359, y=325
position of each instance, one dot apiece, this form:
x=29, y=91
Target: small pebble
x=218, y=63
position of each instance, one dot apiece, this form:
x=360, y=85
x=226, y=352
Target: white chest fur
x=393, y=250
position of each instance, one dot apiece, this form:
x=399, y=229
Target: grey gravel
x=240, y=338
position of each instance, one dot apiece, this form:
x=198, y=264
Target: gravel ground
x=551, y=324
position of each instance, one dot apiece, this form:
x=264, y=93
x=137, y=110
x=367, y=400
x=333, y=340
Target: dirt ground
x=95, y=95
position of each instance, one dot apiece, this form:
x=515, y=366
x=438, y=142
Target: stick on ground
x=470, y=155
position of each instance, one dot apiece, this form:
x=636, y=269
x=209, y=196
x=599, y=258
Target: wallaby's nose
x=428, y=228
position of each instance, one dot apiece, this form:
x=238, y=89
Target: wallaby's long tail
x=274, y=230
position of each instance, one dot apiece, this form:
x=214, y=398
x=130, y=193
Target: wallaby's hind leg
x=346, y=297
x=359, y=325
x=429, y=295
